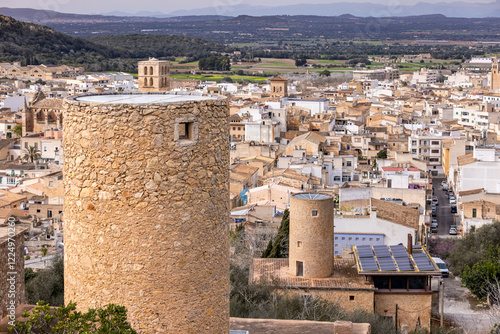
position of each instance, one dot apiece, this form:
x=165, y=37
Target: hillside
x=34, y=44
x=141, y=46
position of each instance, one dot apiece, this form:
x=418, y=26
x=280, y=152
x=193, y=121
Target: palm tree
x=32, y=154
x=18, y=130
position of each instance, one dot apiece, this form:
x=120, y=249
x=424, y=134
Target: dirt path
x=463, y=309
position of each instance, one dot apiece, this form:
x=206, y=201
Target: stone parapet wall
x=147, y=212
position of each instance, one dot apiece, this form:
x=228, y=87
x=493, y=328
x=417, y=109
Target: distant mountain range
x=453, y=9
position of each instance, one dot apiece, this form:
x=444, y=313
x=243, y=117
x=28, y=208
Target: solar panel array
x=366, y=258
x=423, y=262
x=402, y=258
x=384, y=258
x=393, y=258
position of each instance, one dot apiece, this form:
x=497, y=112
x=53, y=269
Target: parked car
x=453, y=200
x=453, y=230
x=445, y=187
x=442, y=266
x=443, y=183
x=453, y=209
x=434, y=212
x=434, y=229
x=434, y=223
x=435, y=200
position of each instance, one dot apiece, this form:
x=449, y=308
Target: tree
x=32, y=154
x=65, y=319
x=478, y=277
x=279, y=247
x=324, y=73
x=47, y=285
x=214, y=63
x=382, y=154
x=18, y=130
x=301, y=61
x=473, y=247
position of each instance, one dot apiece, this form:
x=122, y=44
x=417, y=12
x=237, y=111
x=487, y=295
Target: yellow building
x=154, y=75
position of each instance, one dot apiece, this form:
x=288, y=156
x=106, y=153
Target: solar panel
x=404, y=264
x=365, y=251
x=387, y=266
x=368, y=264
x=423, y=262
x=382, y=252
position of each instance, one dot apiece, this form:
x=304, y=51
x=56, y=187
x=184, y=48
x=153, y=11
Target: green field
x=326, y=61
x=217, y=77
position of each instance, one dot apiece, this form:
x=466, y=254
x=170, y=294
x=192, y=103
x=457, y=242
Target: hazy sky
x=133, y=6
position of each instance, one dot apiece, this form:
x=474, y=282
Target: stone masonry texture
x=147, y=214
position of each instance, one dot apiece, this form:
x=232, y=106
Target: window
x=336, y=245
x=26, y=145
x=239, y=128
x=234, y=128
x=378, y=239
x=414, y=151
x=51, y=183
x=37, y=210
x=45, y=148
x=11, y=180
x=474, y=213
x=435, y=142
x=350, y=238
x=364, y=239
x=299, y=244
x=336, y=238
x=186, y=131
x=434, y=151
x=36, y=145
x=357, y=238
x=8, y=127
x=315, y=213
x=351, y=297
x=49, y=213
x=349, y=163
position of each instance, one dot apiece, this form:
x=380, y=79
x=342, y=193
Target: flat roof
x=314, y=196
x=138, y=98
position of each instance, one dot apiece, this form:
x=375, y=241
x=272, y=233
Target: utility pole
x=396, y=319
x=441, y=292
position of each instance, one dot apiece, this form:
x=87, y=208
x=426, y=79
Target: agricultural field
x=219, y=77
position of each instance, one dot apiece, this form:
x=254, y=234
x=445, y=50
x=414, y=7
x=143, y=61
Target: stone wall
x=350, y=300
x=311, y=236
x=11, y=268
x=396, y=213
x=147, y=212
x=412, y=308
